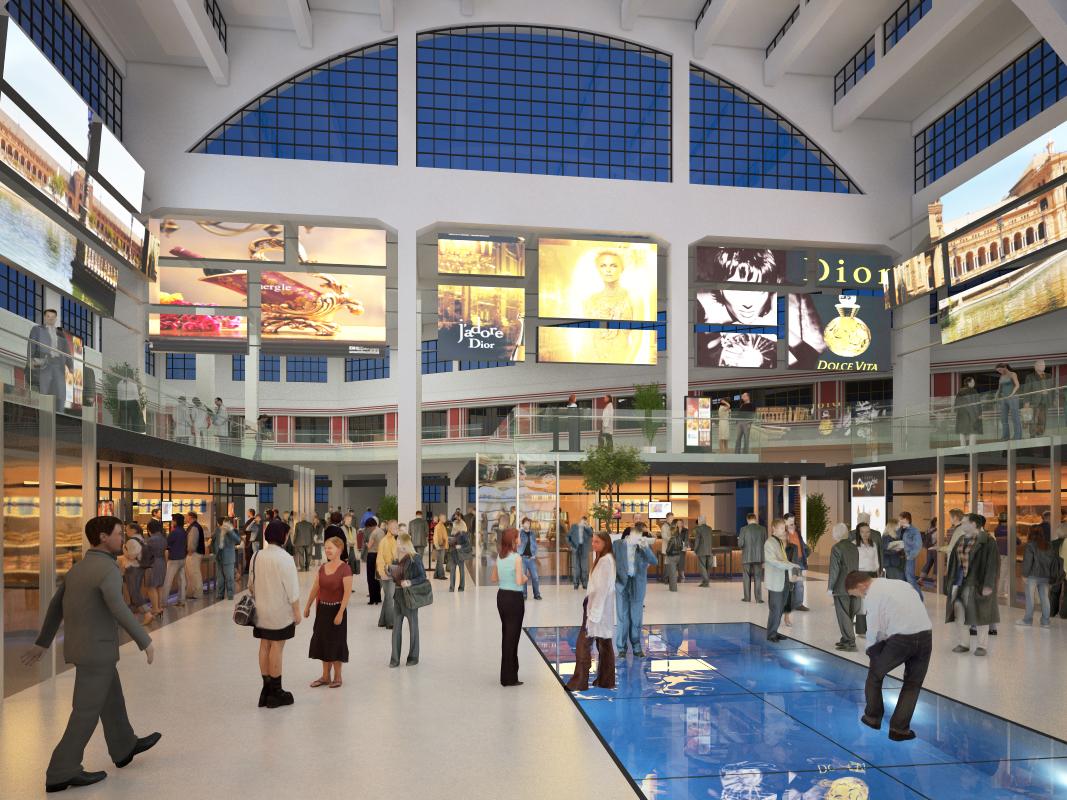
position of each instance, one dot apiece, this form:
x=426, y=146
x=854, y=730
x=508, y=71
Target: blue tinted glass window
x=266, y=495
x=432, y=494
x=270, y=368
x=322, y=493
x=181, y=366
x=854, y=70
x=342, y=109
x=77, y=319
x=305, y=369
x=543, y=101
x=659, y=326
x=736, y=140
x=430, y=364
x=21, y=295
x=366, y=369
x=1023, y=89
x=238, y=368
x=465, y=365
x=59, y=33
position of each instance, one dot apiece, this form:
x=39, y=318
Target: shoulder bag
x=244, y=613
x=418, y=595
x=465, y=553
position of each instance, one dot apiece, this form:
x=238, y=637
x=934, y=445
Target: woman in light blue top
x=509, y=603
x=1008, y=395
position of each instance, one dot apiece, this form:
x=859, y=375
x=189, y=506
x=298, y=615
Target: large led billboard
x=481, y=323
x=831, y=333
x=355, y=247
x=736, y=307
x=751, y=350
x=597, y=280
x=474, y=254
x=315, y=314
x=116, y=166
x=750, y=265
x=199, y=287
x=916, y=277
x=114, y=223
x=861, y=270
x=221, y=241
x=1028, y=292
x=595, y=346
x=198, y=333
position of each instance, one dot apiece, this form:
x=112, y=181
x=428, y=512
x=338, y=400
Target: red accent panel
x=282, y=427
x=337, y=429
x=828, y=392
x=390, y=426
x=455, y=421
x=943, y=384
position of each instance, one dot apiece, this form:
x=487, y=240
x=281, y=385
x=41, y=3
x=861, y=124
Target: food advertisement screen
x=698, y=422
x=198, y=333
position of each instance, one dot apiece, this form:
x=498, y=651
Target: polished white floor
x=442, y=729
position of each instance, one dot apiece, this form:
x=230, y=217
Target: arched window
x=981, y=256
x=342, y=109
x=1041, y=231
x=1005, y=248
x=970, y=261
x=737, y=140
x=543, y=101
x=1030, y=236
x=994, y=252
x=1017, y=243
x=958, y=267
x=1044, y=204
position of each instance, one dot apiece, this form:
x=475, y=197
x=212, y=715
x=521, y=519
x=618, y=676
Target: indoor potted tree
x=647, y=398
x=603, y=470
x=818, y=520
x=387, y=508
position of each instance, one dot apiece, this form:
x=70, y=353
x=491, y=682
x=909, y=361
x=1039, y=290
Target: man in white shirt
x=898, y=632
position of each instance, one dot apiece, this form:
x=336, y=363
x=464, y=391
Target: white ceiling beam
x=207, y=41
x=1050, y=19
x=813, y=16
x=711, y=25
x=943, y=19
x=466, y=8
x=386, y=8
x=630, y=11
x=301, y=14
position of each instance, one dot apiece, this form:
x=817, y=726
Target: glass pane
x=539, y=500
x=496, y=508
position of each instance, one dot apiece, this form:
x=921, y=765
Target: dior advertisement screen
x=472, y=254
x=595, y=346
x=752, y=350
x=751, y=265
x=319, y=314
x=354, y=247
x=1028, y=292
x=831, y=333
x=481, y=323
x=221, y=241
x=198, y=333
x=868, y=496
x=597, y=280
x=859, y=270
x=193, y=286
x=737, y=307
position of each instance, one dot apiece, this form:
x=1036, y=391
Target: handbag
x=418, y=595
x=244, y=613
x=465, y=553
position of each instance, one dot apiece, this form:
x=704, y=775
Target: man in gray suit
x=89, y=602
x=303, y=538
x=47, y=354
x=751, y=539
x=579, y=539
x=702, y=548
x=844, y=558
x=419, y=532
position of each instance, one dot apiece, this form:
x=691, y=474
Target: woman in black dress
x=333, y=588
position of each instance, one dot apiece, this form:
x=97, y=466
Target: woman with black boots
x=274, y=584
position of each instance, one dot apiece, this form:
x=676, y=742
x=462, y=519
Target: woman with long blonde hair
x=598, y=621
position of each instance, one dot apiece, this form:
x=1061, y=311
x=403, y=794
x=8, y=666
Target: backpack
x=146, y=559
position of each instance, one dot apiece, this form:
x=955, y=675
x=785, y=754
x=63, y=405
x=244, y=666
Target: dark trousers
x=401, y=613
x=97, y=698
x=846, y=607
x=913, y=651
x=583, y=660
x=134, y=579
x=373, y=584
x=1057, y=605
x=510, y=606
x=743, y=431
x=456, y=566
x=303, y=557
x=775, y=609
x=224, y=580
x=752, y=573
x=931, y=562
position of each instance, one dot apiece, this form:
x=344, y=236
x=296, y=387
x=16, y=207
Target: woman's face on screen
x=745, y=306
x=610, y=267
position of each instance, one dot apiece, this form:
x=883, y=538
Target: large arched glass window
x=544, y=101
x=343, y=109
x=736, y=140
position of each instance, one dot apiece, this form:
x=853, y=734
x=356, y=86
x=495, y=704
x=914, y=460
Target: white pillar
x=46, y=465
x=679, y=335
x=911, y=370
x=406, y=365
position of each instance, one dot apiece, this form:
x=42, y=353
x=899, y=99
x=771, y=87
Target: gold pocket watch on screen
x=847, y=335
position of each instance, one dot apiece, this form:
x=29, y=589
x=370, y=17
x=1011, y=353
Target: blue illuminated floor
x=717, y=711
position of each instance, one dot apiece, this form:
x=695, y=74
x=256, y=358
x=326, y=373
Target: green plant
x=605, y=468
x=388, y=508
x=56, y=185
x=647, y=398
x=112, y=376
x=818, y=518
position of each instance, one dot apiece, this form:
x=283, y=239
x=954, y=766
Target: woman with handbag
x=157, y=546
x=412, y=592
x=460, y=546
x=509, y=604
x=332, y=588
x=275, y=588
x=598, y=621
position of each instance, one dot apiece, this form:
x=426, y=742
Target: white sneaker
x=1023, y=624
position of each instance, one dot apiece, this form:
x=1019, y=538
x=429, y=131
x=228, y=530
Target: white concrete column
x=911, y=370
x=406, y=366
x=205, y=379
x=679, y=335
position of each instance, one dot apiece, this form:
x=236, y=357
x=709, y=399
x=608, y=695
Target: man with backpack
x=139, y=559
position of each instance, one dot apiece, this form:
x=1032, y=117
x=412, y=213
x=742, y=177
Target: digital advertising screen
x=751, y=265
x=40, y=159
x=736, y=307
x=831, y=333
x=150, y=260
x=751, y=350
x=473, y=254
x=597, y=280
x=221, y=241
x=315, y=314
x=868, y=496
x=198, y=333
x=859, y=270
x=116, y=225
x=659, y=509
x=698, y=421
x=35, y=243
x=116, y=166
x=481, y=323
x=351, y=247
x=43, y=88
x=916, y=277
x=199, y=287
x=1028, y=292
x=595, y=346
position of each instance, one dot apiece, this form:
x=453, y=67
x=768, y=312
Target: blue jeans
x=909, y=575
x=1036, y=586
x=629, y=614
x=743, y=432
x=798, y=591
x=529, y=567
x=224, y=580
x=1012, y=403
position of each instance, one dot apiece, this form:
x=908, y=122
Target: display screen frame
x=443, y=254
x=811, y=352
x=868, y=493
x=645, y=338
x=727, y=306
x=738, y=346
x=563, y=263
x=114, y=166
x=308, y=247
x=257, y=242
x=460, y=338
x=224, y=340
x=790, y=266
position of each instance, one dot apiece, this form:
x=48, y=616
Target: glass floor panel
x=716, y=711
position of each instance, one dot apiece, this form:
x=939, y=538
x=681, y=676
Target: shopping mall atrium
x=779, y=289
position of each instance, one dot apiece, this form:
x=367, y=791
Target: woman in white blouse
x=598, y=621
x=607, y=421
x=274, y=584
